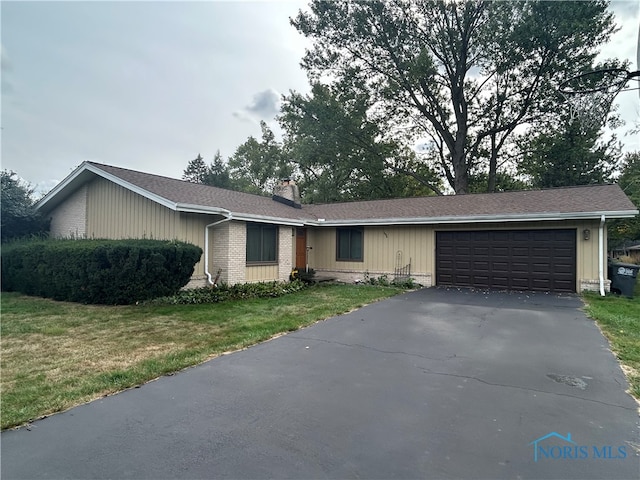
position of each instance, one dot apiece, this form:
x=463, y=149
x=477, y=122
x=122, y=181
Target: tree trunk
x=493, y=166
x=461, y=170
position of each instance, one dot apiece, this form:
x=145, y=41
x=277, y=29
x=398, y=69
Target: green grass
x=56, y=355
x=619, y=320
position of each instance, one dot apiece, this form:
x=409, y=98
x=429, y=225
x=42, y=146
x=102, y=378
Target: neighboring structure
x=549, y=240
x=632, y=252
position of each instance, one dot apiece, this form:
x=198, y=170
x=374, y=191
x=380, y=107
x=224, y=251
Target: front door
x=301, y=247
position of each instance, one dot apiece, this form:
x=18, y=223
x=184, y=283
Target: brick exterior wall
x=237, y=256
x=594, y=285
x=285, y=252
x=356, y=276
x=228, y=253
x=69, y=219
x=219, y=251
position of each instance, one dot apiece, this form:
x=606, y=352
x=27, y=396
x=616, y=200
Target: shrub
x=302, y=274
x=628, y=259
x=234, y=292
x=113, y=272
x=383, y=281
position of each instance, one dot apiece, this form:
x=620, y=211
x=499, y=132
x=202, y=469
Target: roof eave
x=247, y=217
x=191, y=208
x=88, y=167
x=538, y=217
x=51, y=194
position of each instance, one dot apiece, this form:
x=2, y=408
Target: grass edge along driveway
x=619, y=321
x=56, y=355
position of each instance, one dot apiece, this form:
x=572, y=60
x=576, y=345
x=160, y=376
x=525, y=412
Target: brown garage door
x=542, y=260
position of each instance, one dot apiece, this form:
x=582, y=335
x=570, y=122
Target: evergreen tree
x=18, y=213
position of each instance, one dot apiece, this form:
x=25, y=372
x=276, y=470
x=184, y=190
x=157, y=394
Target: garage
x=542, y=260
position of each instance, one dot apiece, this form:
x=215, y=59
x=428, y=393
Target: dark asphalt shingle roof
x=181, y=191
x=593, y=198
x=578, y=200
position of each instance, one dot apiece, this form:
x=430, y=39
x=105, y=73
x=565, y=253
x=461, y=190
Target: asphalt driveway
x=431, y=384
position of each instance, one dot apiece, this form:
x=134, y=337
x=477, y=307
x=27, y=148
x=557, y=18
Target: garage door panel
x=520, y=236
x=518, y=267
x=541, y=268
x=482, y=236
x=508, y=259
x=500, y=282
x=560, y=269
x=499, y=236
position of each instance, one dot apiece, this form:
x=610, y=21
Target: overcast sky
x=149, y=85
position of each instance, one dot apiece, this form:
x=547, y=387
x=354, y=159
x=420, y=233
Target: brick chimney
x=287, y=192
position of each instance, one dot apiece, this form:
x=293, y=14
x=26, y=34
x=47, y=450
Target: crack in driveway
x=367, y=347
x=445, y=374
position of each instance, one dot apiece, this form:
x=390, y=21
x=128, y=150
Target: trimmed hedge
x=198, y=296
x=111, y=272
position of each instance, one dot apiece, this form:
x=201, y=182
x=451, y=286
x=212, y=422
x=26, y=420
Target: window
x=262, y=243
x=349, y=244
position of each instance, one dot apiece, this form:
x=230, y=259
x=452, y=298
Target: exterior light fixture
x=586, y=234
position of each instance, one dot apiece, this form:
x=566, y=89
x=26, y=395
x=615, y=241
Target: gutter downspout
x=229, y=216
x=601, y=258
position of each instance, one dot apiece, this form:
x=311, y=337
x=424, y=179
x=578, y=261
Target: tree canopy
x=567, y=155
x=626, y=231
x=257, y=165
x=18, y=213
x=465, y=75
x=340, y=153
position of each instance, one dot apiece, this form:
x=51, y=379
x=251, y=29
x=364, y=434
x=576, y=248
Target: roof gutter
x=191, y=208
x=228, y=217
x=247, y=217
x=473, y=219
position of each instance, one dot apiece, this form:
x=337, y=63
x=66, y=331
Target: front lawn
x=56, y=355
x=619, y=319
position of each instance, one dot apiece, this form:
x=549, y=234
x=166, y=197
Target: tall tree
x=18, y=213
x=216, y=174
x=197, y=171
x=568, y=154
x=465, y=74
x=627, y=231
x=219, y=173
x=342, y=154
x=257, y=166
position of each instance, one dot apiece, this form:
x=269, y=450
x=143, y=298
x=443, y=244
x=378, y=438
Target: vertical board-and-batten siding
x=69, y=219
x=417, y=243
x=118, y=213
x=385, y=249
x=115, y=212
